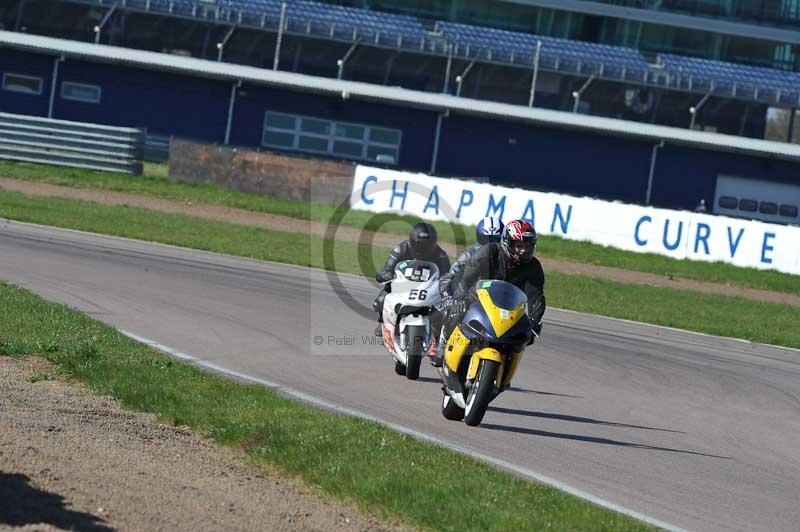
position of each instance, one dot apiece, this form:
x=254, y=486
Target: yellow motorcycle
x=483, y=352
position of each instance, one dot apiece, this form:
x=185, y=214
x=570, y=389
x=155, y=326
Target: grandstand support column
x=99, y=27
x=231, y=105
x=298, y=52
x=746, y=115
x=446, y=88
x=652, y=174
x=693, y=110
x=279, y=40
x=221, y=44
x=535, y=72
x=437, y=135
x=20, y=14
x=460, y=79
x=341, y=62
x=53, y=85
x=389, y=66
x=790, y=129
x=578, y=93
x=120, y=32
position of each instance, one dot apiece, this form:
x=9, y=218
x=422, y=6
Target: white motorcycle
x=407, y=331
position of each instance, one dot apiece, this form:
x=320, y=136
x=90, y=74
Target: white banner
x=677, y=234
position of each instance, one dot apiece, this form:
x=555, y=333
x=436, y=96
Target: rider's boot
x=438, y=358
x=379, y=328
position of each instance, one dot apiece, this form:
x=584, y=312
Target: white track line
x=326, y=405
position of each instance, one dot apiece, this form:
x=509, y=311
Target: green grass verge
x=762, y=322
x=713, y=314
x=386, y=473
x=154, y=183
x=186, y=231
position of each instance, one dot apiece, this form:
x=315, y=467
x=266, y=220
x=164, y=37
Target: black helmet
x=519, y=242
x=423, y=240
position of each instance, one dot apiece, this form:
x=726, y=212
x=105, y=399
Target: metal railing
x=156, y=148
x=437, y=44
x=76, y=144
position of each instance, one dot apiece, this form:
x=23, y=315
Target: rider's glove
x=456, y=306
x=536, y=330
x=384, y=276
x=444, y=304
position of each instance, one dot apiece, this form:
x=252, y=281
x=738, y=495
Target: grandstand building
x=644, y=60
x=723, y=66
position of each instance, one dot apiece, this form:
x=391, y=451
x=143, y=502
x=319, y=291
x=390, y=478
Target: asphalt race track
x=694, y=431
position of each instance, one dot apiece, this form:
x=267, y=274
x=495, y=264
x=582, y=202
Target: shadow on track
x=23, y=504
x=592, y=439
x=562, y=417
x=539, y=392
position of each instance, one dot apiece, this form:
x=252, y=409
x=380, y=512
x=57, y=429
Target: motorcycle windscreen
x=505, y=308
x=503, y=294
x=420, y=271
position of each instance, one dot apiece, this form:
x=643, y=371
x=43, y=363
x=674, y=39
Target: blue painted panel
x=417, y=126
x=14, y=62
x=684, y=175
x=545, y=158
x=164, y=103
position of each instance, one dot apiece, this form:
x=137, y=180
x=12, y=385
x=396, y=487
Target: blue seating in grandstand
x=746, y=79
x=521, y=47
x=563, y=55
x=335, y=20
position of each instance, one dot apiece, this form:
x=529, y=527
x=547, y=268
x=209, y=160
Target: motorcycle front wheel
x=416, y=337
x=481, y=392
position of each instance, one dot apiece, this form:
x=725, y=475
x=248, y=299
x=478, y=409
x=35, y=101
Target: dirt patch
x=351, y=234
x=70, y=460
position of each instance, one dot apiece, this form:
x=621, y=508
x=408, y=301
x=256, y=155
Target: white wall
x=677, y=234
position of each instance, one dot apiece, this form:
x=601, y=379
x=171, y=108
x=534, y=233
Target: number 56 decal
x=417, y=294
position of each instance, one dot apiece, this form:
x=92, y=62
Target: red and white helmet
x=518, y=241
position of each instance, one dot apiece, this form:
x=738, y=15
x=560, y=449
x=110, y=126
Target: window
x=385, y=136
x=347, y=140
x=312, y=125
x=279, y=139
x=789, y=211
x=348, y=149
x=22, y=83
x=281, y=121
x=757, y=199
x=80, y=92
x=767, y=207
x=748, y=205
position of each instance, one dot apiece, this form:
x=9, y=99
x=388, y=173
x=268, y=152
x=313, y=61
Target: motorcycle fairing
x=487, y=353
x=501, y=318
x=498, y=318
x=456, y=347
x=500, y=314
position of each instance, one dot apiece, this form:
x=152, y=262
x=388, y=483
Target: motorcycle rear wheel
x=481, y=393
x=416, y=335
